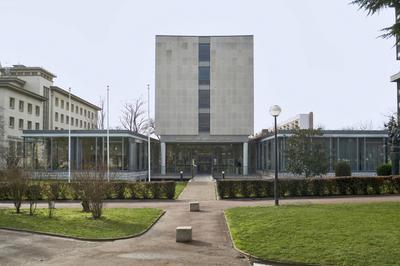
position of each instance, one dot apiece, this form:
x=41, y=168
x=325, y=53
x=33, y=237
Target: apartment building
x=30, y=101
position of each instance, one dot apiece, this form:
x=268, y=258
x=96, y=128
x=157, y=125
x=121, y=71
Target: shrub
x=309, y=187
x=4, y=191
x=384, y=170
x=33, y=194
x=342, y=168
x=17, y=186
x=169, y=189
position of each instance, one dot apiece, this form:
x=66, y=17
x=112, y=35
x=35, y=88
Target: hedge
x=118, y=190
x=335, y=186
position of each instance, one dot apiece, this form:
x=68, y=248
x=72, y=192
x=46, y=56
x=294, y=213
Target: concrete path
x=211, y=245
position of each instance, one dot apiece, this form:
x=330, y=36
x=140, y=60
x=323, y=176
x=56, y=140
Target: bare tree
x=102, y=114
x=133, y=116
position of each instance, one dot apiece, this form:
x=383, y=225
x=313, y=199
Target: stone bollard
x=183, y=234
x=194, y=206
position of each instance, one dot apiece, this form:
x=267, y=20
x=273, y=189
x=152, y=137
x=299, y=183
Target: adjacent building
x=301, y=121
x=204, y=102
x=364, y=150
x=30, y=101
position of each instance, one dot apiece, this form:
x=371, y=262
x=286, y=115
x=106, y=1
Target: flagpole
x=69, y=135
x=108, y=133
x=148, y=134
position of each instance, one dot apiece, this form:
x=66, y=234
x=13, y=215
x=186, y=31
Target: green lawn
x=179, y=188
x=73, y=222
x=341, y=234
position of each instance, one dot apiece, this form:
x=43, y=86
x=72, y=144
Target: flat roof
x=333, y=134
x=84, y=133
x=243, y=35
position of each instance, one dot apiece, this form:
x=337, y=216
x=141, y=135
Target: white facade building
x=301, y=121
x=29, y=101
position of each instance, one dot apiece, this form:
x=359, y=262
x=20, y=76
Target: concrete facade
x=176, y=96
x=232, y=86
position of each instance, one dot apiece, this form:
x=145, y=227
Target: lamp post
x=275, y=110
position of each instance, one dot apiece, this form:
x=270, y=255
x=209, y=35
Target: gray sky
x=310, y=55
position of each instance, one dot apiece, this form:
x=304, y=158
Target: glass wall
x=204, y=158
x=362, y=153
x=51, y=153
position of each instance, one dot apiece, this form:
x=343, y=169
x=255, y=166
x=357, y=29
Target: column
x=245, y=158
x=140, y=166
x=163, y=158
x=132, y=155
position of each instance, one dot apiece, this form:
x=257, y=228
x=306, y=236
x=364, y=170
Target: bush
x=169, y=189
x=17, y=186
x=33, y=194
x=384, y=170
x=309, y=187
x=342, y=168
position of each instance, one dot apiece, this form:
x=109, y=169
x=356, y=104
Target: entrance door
x=204, y=164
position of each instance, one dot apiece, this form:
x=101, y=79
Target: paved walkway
x=211, y=245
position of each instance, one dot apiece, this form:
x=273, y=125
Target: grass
x=73, y=222
x=340, y=234
x=179, y=188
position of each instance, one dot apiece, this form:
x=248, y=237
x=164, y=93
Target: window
x=30, y=108
x=37, y=126
x=92, y=115
x=76, y=109
x=72, y=107
x=204, y=75
x=88, y=114
x=76, y=122
x=81, y=110
x=56, y=116
x=85, y=112
x=67, y=119
x=204, y=52
x=37, y=110
x=11, y=122
x=204, y=99
x=62, y=104
x=56, y=101
x=204, y=122
x=80, y=123
x=84, y=125
x=56, y=128
x=21, y=106
x=29, y=124
x=12, y=103
x=72, y=121
x=62, y=118
x=21, y=124
x=67, y=106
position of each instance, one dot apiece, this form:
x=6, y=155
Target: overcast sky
x=317, y=55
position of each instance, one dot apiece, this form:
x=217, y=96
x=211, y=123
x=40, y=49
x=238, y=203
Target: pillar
x=245, y=158
x=132, y=155
x=163, y=158
x=140, y=166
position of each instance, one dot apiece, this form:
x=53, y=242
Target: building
x=30, y=101
x=365, y=150
x=204, y=102
x=301, y=121
x=46, y=152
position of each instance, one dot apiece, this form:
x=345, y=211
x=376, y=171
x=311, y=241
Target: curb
x=86, y=239
x=253, y=258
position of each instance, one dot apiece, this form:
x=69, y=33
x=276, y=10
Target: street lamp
x=275, y=110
